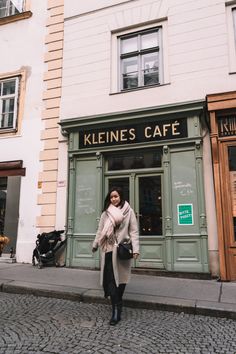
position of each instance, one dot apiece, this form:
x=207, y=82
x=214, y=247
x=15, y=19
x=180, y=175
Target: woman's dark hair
x=107, y=200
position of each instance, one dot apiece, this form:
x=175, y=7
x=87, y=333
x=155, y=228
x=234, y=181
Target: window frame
x=9, y=96
x=139, y=53
x=115, y=61
x=21, y=74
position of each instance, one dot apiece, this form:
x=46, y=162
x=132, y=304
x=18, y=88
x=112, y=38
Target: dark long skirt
x=109, y=283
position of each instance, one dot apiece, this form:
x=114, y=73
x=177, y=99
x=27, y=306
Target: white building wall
x=22, y=47
x=195, y=44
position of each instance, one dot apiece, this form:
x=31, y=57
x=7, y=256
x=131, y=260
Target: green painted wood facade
x=181, y=247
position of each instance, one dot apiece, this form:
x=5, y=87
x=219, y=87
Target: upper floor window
x=140, y=59
x=8, y=103
x=10, y=7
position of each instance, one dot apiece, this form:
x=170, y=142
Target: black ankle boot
x=115, y=315
x=119, y=306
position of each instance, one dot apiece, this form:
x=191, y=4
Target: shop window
x=150, y=206
x=9, y=91
x=140, y=59
x=11, y=7
x=135, y=160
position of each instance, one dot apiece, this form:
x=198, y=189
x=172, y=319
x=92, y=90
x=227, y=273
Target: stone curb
x=194, y=307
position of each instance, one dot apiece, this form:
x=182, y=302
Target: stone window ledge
x=17, y=17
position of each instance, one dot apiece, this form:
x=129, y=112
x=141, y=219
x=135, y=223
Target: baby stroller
x=47, y=245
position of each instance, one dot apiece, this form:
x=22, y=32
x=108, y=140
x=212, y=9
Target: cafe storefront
x=222, y=111
x=155, y=155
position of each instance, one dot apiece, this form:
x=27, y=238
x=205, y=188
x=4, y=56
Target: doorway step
x=165, y=273
x=6, y=258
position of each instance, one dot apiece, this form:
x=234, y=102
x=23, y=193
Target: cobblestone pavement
x=30, y=325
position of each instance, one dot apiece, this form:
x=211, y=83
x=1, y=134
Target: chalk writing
x=184, y=189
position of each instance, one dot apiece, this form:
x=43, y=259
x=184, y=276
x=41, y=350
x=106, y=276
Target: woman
x=117, y=223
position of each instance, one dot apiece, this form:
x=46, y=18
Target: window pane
x=150, y=206
x=3, y=8
x=130, y=72
x=150, y=68
x=3, y=12
x=135, y=160
x=149, y=40
x=7, y=120
x=129, y=45
x=8, y=105
x=9, y=87
x=7, y=113
x=129, y=65
x=130, y=80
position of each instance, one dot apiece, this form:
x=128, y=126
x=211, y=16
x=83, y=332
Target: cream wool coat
x=121, y=268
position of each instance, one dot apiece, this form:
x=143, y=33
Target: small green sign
x=185, y=214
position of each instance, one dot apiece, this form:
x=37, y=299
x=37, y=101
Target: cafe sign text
x=135, y=133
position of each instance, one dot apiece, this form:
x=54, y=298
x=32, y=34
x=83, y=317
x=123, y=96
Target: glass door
x=144, y=193
x=149, y=205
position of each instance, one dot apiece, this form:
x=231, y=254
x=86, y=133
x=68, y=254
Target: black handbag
x=125, y=250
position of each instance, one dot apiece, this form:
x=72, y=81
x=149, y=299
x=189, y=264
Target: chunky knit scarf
x=115, y=217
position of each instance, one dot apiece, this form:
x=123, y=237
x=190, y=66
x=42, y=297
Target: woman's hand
x=94, y=249
x=135, y=255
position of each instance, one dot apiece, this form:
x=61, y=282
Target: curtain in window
x=18, y=4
